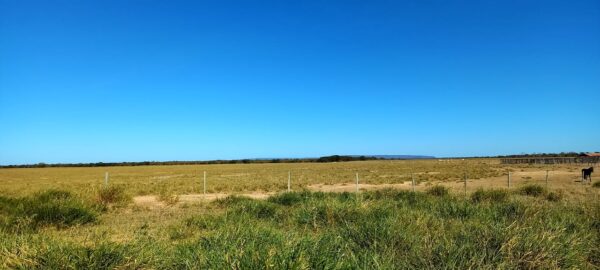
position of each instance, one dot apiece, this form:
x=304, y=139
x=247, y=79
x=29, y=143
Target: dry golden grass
x=187, y=179
x=169, y=181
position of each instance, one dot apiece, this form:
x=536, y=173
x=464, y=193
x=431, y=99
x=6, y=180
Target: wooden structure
x=584, y=159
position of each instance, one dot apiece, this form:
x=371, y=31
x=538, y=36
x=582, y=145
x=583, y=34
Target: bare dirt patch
x=152, y=201
x=350, y=187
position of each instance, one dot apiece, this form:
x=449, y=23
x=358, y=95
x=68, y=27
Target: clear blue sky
x=88, y=81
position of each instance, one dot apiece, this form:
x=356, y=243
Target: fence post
x=356, y=182
x=413, y=181
x=289, y=180
x=546, y=179
x=508, y=179
x=204, y=182
x=106, y=179
x=465, y=184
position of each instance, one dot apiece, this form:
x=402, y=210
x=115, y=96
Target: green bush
x=437, y=191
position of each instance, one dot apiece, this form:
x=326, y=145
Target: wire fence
x=416, y=181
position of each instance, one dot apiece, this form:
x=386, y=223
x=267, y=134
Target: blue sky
x=88, y=81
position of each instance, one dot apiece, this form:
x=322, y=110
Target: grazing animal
x=587, y=174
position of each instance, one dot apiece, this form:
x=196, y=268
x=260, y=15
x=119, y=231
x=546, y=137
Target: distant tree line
x=334, y=158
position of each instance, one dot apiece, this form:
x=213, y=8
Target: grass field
x=155, y=217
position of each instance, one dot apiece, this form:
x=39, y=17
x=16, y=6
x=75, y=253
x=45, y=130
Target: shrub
x=532, y=190
x=438, y=191
x=596, y=185
x=494, y=195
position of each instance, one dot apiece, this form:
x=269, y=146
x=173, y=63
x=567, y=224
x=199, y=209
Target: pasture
x=158, y=217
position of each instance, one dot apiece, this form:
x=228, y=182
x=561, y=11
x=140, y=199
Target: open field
x=156, y=217
x=240, y=178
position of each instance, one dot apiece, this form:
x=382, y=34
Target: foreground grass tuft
x=53, y=207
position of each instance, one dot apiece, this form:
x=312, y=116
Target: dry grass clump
x=168, y=197
x=113, y=195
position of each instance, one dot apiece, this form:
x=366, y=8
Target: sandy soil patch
x=152, y=201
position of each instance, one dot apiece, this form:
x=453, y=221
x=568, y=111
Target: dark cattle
x=587, y=174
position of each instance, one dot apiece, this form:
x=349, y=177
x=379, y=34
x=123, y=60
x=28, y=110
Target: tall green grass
x=377, y=230
x=53, y=207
